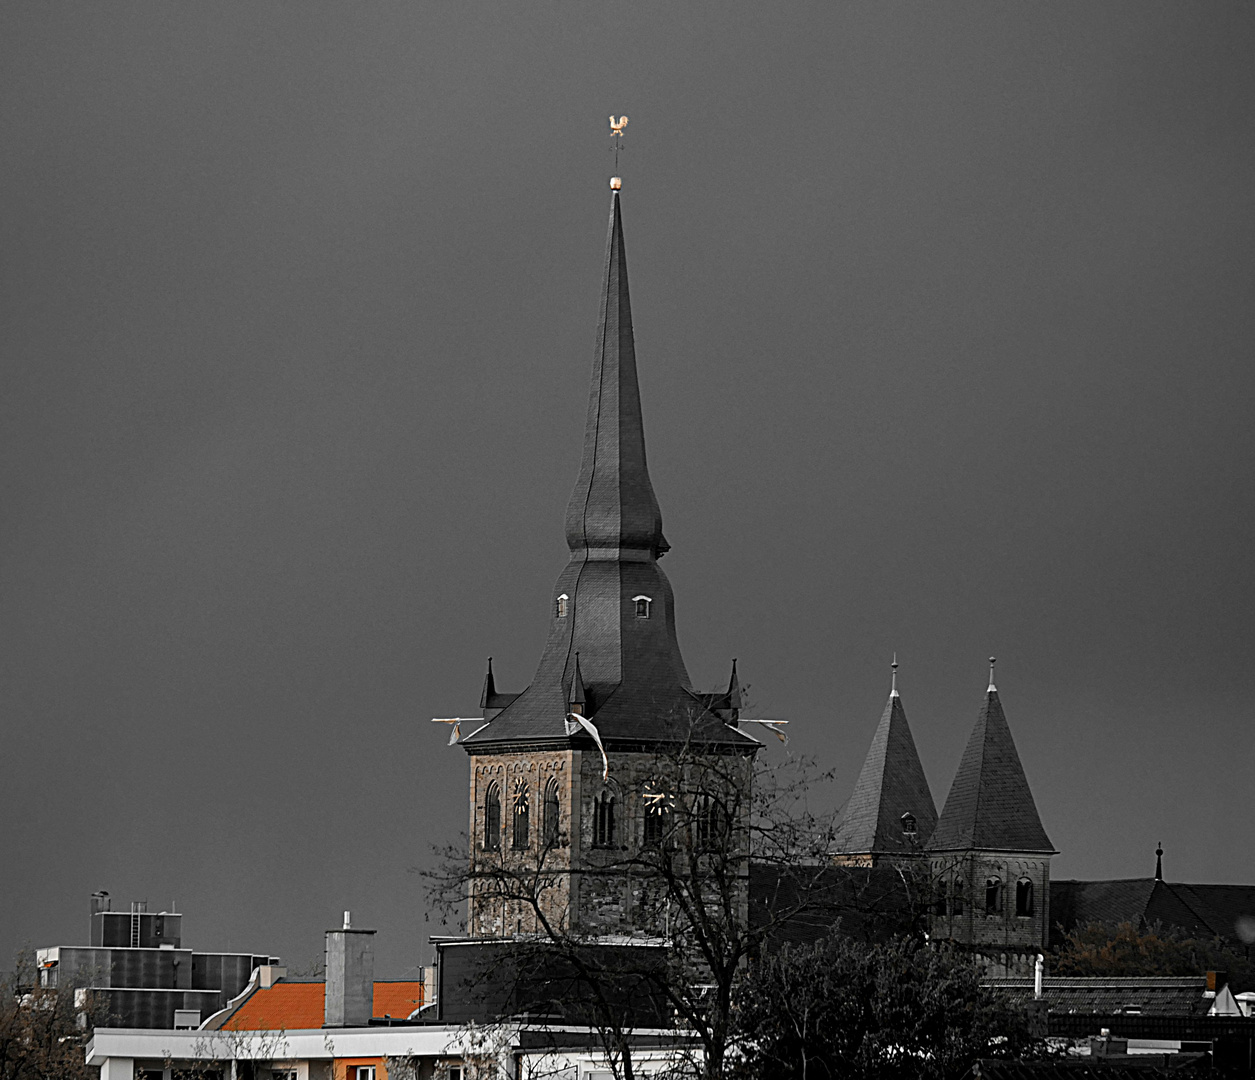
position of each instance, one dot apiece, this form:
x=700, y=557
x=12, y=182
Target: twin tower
x=612, y=658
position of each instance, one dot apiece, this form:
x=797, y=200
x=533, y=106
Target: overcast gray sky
x=944, y=323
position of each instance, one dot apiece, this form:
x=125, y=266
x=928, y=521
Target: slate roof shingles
x=990, y=806
x=890, y=784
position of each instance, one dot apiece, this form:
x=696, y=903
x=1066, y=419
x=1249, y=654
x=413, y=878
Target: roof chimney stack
x=350, y=966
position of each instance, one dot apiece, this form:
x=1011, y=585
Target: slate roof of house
x=300, y=1006
x=634, y=678
x=1195, y=910
x=990, y=806
x=891, y=783
x=1152, y=996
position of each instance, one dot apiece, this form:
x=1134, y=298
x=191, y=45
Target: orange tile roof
x=285, y=1006
x=295, y=1006
x=397, y=999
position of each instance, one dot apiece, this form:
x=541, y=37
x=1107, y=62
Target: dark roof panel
x=891, y=784
x=990, y=806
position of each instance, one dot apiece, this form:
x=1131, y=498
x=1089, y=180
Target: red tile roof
x=297, y=1006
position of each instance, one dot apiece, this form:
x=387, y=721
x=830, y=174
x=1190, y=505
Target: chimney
x=350, y=988
x=96, y=933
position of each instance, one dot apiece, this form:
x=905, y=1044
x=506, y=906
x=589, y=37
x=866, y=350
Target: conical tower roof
x=612, y=604
x=990, y=806
x=891, y=784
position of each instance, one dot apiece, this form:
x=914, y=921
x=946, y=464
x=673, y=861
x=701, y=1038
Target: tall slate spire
x=613, y=505
x=612, y=604
x=891, y=784
x=990, y=806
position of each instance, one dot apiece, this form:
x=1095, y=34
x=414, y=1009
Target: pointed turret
x=990, y=806
x=891, y=811
x=490, y=699
x=612, y=603
x=578, y=697
x=734, y=690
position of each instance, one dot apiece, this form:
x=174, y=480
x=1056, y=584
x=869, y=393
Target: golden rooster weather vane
x=616, y=140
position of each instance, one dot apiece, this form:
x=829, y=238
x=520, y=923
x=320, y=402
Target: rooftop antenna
x=893, y=687
x=992, y=689
x=616, y=144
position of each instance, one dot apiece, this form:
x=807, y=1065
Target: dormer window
x=908, y=826
x=642, y=606
x=563, y=603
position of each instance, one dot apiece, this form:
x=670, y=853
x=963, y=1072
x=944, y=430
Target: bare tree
x=724, y=854
x=42, y=1028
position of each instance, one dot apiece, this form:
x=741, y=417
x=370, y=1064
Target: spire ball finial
x=616, y=182
x=893, y=684
x=992, y=660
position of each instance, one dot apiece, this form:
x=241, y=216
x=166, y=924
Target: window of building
x=552, y=811
x=521, y=814
x=993, y=896
x=908, y=826
x=282, y=1074
x=939, y=898
x=1024, y=898
x=642, y=606
x=956, y=897
x=603, y=819
x=492, y=818
x=563, y=603
x=365, y=1072
x=709, y=820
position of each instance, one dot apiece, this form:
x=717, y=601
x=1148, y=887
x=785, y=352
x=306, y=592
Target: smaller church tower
x=990, y=854
x=891, y=814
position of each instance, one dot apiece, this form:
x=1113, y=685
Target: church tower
x=564, y=774
x=990, y=855
x=891, y=813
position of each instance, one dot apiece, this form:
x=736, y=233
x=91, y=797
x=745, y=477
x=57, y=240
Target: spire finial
x=1159, y=861
x=893, y=684
x=992, y=689
x=616, y=143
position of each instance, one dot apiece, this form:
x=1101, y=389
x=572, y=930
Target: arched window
x=492, y=818
x=521, y=814
x=603, y=819
x=1024, y=898
x=709, y=820
x=993, y=895
x=939, y=898
x=642, y=606
x=552, y=810
x=563, y=602
x=657, y=813
x=956, y=897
